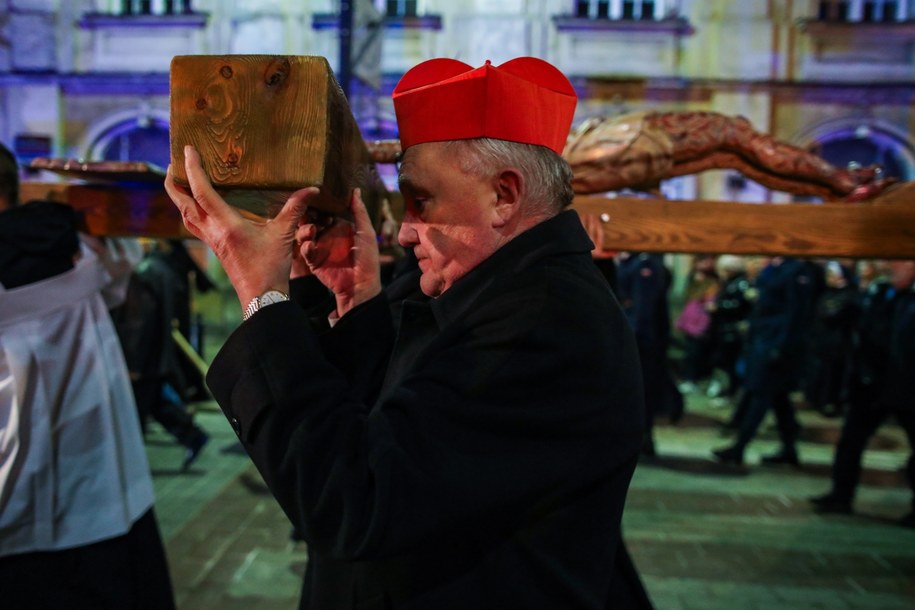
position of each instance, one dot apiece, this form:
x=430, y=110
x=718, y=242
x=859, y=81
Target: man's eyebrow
x=406, y=184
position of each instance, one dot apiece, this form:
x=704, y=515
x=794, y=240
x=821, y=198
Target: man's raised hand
x=344, y=256
x=255, y=255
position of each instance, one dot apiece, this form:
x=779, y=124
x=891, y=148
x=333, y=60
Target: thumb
x=360, y=213
x=294, y=208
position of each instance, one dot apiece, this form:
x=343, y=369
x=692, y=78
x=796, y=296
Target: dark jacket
x=732, y=307
x=788, y=291
x=144, y=322
x=644, y=282
x=488, y=470
x=37, y=241
x=871, y=338
x=898, y=391
x=836, y=312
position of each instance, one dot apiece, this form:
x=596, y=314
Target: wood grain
x=266, y=126
x=858, y=230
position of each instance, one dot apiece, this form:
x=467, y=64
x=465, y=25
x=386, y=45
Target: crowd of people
x=772, y=335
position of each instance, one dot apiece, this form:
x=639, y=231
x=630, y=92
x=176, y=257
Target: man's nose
x=406, y=236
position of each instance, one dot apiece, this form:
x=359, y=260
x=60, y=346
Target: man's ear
x=508, y=186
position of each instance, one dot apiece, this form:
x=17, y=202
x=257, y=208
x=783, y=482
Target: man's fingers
x=294, y=208
x=175, y=191
x=314, y=254
x=194, y=230
x=306, y=232
x=204, y=193
x=360, y=214
x=190, y=212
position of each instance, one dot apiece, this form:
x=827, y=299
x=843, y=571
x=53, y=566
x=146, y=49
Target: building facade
x=89, y=78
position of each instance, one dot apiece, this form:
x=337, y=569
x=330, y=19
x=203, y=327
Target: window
x=866, y=145
x=626, y=9
x=399, y=8
x=865, y=11
x=142, y=14
x=159, y=7
x=136, y=139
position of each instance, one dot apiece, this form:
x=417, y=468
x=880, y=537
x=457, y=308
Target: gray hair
x=547, y=176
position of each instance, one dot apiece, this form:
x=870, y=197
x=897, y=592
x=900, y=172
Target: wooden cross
x=268, y=125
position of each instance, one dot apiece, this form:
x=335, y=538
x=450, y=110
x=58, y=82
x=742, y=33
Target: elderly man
x=476, y=452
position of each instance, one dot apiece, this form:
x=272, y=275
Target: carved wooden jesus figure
x=639, y=150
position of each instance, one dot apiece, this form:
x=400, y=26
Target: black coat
x=490, y=466
x=776, y=341
x=37, y=241
x=644, y=282
x=871, y=338
x=898, y=390
x=732, y=308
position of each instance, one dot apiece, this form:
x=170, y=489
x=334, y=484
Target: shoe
x=782, y=457
x=193, y=449
x=831, y=504
x=908, y=520
x=729, y=455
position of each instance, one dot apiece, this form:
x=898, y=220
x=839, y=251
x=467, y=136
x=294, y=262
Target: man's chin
x=431, y=286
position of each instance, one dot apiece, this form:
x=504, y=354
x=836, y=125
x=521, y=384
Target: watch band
x=257, y=303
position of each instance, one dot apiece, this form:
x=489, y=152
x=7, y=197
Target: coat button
x=236, y=425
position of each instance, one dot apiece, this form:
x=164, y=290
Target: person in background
x=476, y=454
x=603, y=258
x=644, y=282
x=868, y=271
x=775, y=340
x=191, y=278
x=729, y=312
x=695, y=320
x=156, y=304
x=77, y=528
x=882, y=384
x=829, y=341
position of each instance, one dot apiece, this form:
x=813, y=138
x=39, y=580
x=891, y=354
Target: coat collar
x=561, y=234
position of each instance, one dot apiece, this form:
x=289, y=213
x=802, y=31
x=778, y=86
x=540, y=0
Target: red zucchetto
x=524, y=100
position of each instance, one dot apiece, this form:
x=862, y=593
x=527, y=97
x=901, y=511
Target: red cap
x=523, y=100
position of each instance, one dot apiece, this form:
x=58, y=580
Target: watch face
x=273, y=296
x=268, y=298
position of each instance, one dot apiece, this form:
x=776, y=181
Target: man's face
x=449, y=216
x=902, y=274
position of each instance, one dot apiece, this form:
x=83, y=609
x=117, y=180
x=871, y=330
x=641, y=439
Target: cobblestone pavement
x=704, y=536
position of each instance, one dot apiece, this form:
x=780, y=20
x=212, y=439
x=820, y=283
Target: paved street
x=704, y=536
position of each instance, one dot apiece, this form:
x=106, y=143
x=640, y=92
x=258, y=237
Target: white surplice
x=73, y=468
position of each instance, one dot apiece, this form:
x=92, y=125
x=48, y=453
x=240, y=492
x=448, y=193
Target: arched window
x=132, y=142
x=130, y=136
x=865, y=143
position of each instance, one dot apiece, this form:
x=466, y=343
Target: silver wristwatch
x=268, y=298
